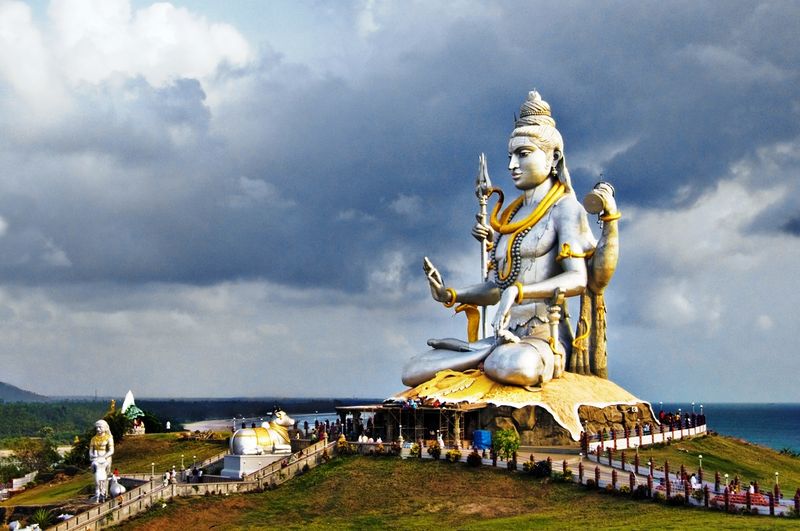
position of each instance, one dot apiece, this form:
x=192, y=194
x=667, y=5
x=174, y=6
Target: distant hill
x=10, y=393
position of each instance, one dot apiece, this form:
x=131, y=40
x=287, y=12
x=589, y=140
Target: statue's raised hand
x=438, y=289
x=482, y=231
x=606, y=193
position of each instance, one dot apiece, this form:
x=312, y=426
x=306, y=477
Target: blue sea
x=774, y=425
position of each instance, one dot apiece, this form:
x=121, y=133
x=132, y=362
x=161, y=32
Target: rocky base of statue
x=554, y=415
x=537, y=426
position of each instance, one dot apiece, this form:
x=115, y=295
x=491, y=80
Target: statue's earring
x=553, y=171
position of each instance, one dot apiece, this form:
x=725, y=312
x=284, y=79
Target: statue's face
x=529, y=165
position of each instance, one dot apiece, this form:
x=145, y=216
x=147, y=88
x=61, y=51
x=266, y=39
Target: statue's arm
x=482, y=294
x=604, y=261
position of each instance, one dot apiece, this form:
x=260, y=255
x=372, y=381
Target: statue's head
x=536, y=127
x=102, y=427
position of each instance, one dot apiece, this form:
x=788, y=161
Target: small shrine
x=134, y=414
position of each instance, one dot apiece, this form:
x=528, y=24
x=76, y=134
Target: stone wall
x=537, y=427
x=616, y=417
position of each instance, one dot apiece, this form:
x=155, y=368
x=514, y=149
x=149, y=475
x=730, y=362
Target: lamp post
x=660, y=406
x=776, y=479
x=692, y=408
x=726, y=481
x=194, y=462
x=700, y=457
x=152, y=470
x=182, y=467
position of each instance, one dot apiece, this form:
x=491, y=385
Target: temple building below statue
x=455, y=405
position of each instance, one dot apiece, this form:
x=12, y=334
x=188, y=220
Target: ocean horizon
x=775, y=425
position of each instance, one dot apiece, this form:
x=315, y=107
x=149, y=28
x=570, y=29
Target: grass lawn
x=388, y=493
x=133, y=454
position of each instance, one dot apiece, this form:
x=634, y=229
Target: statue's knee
x=520, y=364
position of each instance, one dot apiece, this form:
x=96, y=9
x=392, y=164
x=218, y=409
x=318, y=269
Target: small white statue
x=271, y=437
x=101, y=448
x=115, y=488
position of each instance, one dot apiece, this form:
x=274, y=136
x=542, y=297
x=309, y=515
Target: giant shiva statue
x=540, y=251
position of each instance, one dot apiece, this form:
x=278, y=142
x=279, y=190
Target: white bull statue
x=271, y=437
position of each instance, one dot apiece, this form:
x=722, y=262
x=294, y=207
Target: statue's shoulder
x=569, y=209
x=573, y=223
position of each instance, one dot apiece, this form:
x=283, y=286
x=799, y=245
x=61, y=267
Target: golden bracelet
x=452, y=300
x=566, y=252
x=611, y=217
x=520, y=292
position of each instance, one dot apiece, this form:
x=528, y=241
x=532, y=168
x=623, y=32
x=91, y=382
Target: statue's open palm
x=438, y=289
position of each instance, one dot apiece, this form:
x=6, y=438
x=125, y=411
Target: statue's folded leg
x=527, y=363
x=423, y=367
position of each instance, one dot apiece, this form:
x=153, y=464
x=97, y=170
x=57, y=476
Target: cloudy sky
x=217, y=199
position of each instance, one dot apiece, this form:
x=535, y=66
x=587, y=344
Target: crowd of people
x=681, y=420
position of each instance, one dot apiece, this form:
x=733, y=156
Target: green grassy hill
x=728, y=455
x=133, y=454
x=389, y=493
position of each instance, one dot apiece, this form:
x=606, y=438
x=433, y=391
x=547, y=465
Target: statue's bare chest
x=536, y=242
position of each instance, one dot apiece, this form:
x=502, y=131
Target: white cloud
x=733, y=65
x=386, y=274
x=273, y=340
x=365, y=21
x=94, y=39
x=710, y=232
x=765, y=322
x=34, y=80
x=255, y=191
x=694, y=283
x=352, y=214
x=54, y=255
x=407, y=205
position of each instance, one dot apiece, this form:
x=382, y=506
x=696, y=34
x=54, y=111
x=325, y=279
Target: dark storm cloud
x=793, y=226
x=292, y=175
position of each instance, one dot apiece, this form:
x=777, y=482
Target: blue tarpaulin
x=482, y=439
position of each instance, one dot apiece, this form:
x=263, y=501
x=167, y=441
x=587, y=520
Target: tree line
x=66, y=419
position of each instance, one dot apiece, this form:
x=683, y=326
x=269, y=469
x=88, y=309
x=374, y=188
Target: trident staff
x=482, y=188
